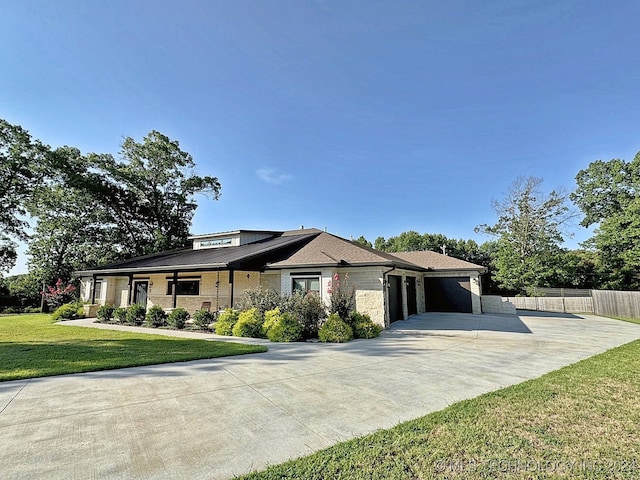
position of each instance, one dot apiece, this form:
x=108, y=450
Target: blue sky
x=365, y=117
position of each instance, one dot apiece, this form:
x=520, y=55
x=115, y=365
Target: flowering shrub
x=342, y=298
x=58, y=295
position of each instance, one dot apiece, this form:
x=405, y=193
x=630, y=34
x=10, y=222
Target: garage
x=448, y=294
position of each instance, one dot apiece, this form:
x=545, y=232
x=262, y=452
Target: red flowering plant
x=342, y=298
x=59, y=294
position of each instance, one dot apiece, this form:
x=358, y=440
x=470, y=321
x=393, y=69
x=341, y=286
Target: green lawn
x=582, y=421
x=32, y=346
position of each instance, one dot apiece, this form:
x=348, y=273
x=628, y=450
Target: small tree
x=59, y=294
x=342, y=298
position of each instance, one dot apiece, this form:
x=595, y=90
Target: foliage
x=262, y=299
x=308, y=309
x=39, y=348
x=608, y=194
x=412, y=241
x=342, y=298
x=249, y=324
x=178, y=318
x=105, y=312
x=226, y=322
x=146, y=196
x=59, y=294
x=68, y=311
x=363, y=326
x=529, y=234
x=363, y=241
x=136, y=314
x=22, y=168
x=281, y=327
x=25, y=289
x=334, y=330
x=156, y=316
x=120, y=315
x=203, y=319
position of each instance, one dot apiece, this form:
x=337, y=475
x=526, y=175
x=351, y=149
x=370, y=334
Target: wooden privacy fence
x=616, y=304
x=554, y=304
x=611, y=303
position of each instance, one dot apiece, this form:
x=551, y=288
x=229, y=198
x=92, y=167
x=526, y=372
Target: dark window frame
x=185, y=287
x=307, y=284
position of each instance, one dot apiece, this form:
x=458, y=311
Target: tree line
x=525, y=249
x=77, y=210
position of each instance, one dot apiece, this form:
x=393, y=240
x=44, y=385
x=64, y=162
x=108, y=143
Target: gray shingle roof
x=437, y=261
x=329, y=250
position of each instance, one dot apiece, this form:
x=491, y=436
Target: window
x=97, y=290
x=185, y=287
x=218, y=242
x=306, y=284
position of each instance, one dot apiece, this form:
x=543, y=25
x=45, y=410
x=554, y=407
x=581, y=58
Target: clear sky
x=365, y=117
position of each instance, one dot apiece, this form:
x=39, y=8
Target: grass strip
x=32, y=346
x=582, y=421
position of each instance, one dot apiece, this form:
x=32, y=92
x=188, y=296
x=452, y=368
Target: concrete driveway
x=218, y=418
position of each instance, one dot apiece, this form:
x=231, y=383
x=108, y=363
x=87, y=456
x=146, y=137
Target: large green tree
x=22, y=169
x=96, y=208
x=528, y=235
x=608, y=193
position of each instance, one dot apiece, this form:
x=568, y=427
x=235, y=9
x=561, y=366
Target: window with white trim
x=305, y=284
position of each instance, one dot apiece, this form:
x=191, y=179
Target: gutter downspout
x=385, y=295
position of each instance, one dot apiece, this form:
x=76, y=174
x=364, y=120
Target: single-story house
x=219, y=267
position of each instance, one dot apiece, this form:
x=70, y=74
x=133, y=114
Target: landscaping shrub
x=178, y=318
x=120, y=315
x=309, y=310
x=262, y=299
x=203, y=319
x=136, y=314
x=249, y=324
x=284, y=328
x=68, y=311
x=156, y=317
x=105, y=312
x=335, y=330
x=11, y=310
x=32, y=310
x=226, y=322
x=363, y=327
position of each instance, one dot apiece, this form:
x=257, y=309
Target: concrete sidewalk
x=218, y=418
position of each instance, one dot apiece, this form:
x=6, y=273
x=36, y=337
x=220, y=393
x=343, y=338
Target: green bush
x=261, y=299
x=156, y=317
x=105, y=312
x=284, y=328
x=226, y=322
x=11, y=310
x=363, y=327
x=270, y=318
x=68, y=311
x=335, y=330
x=309, y=310
x=203, y=319
x=178, y=318
x=120, y=315
x=249, y=324
x=136, y=314
x=32, y=310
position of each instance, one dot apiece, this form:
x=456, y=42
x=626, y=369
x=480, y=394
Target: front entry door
x=140, y=293
x=412, y=301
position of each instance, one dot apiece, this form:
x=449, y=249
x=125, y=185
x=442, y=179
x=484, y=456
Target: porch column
x=231, y=275
x=93, y=285
x=130, y=288
x=175, y=289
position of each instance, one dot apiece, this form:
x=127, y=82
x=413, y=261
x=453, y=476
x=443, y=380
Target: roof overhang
x=157, y=269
